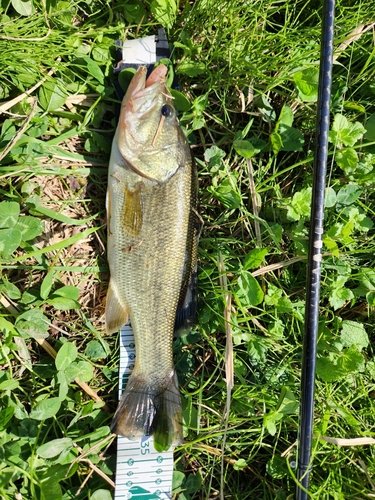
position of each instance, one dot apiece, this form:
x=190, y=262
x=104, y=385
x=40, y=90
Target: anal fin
x=116, y=314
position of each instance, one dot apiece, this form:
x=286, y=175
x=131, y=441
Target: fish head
x=149, y=137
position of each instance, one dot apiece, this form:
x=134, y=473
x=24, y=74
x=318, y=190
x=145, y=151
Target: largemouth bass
x=152, y=245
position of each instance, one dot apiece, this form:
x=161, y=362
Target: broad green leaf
x=81, y=370
x=254, y=258
x=349, y=194
x=33, y=323
x=52, y=95
x=257, y=349
x=10, y=240
x=180, y=101
x=244, y=148
x=359, y=219
x=213, y=156
x=91, y=146
x=276, y=329
x=226, y=194
x=248, y=291
x=63, y=382
x=8, y=130
x=5, y=416
x=5, y=477
x=347, y=159
x=178, y=480
x=330, y=197
x=339, y=294
x=46, y=285
x=191, y=68
x=370, y=297
x=90, y=66
x=292, y=139
x=9, y=385
x=344, y=132
x=9, y=213
x=45, y=409
x=354, y=334
x=270, y=420
x=277, y=142
x=164, y=11
x=62, y=303
x=11, y=290
x=23, y=7
x=6, y=326
x=352, y=361
x=104, y=495
x=276, y=297
x=101, y=53
x=54, y=447
x=69, y=292
x=368, y=279
x=95, y=350
x=277, y=467
x=370, y=128
x=328, y=371
x=66, y=355
x=307, y=82
x=30, y=227
x=50, y=489
x=300, y=205
x=258, y=144
x=134, y=12
x=288, y=403
x=240, y=464
x=286, y=116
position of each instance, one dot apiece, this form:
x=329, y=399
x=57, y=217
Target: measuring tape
x=142, y=473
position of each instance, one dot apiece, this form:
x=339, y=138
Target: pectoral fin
x=132, y=214
x=116, y=313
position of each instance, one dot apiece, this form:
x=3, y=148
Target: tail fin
x=150, y=408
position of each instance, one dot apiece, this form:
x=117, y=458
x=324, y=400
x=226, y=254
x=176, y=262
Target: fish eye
x=167, y=110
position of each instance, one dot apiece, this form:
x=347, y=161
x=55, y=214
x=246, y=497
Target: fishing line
x=315, y=254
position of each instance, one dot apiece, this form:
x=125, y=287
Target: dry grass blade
x=9, y=104
x=362, y=441
x=353, y=37
x=20, y=131
x=365, y=470
x=254, y=201
x=94, y=468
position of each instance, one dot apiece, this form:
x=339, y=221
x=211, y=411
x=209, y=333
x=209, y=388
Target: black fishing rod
x=315, y=254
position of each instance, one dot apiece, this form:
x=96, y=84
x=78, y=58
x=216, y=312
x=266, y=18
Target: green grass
x=249, y=70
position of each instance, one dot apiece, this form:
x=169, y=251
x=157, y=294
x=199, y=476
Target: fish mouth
x=137, y=98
